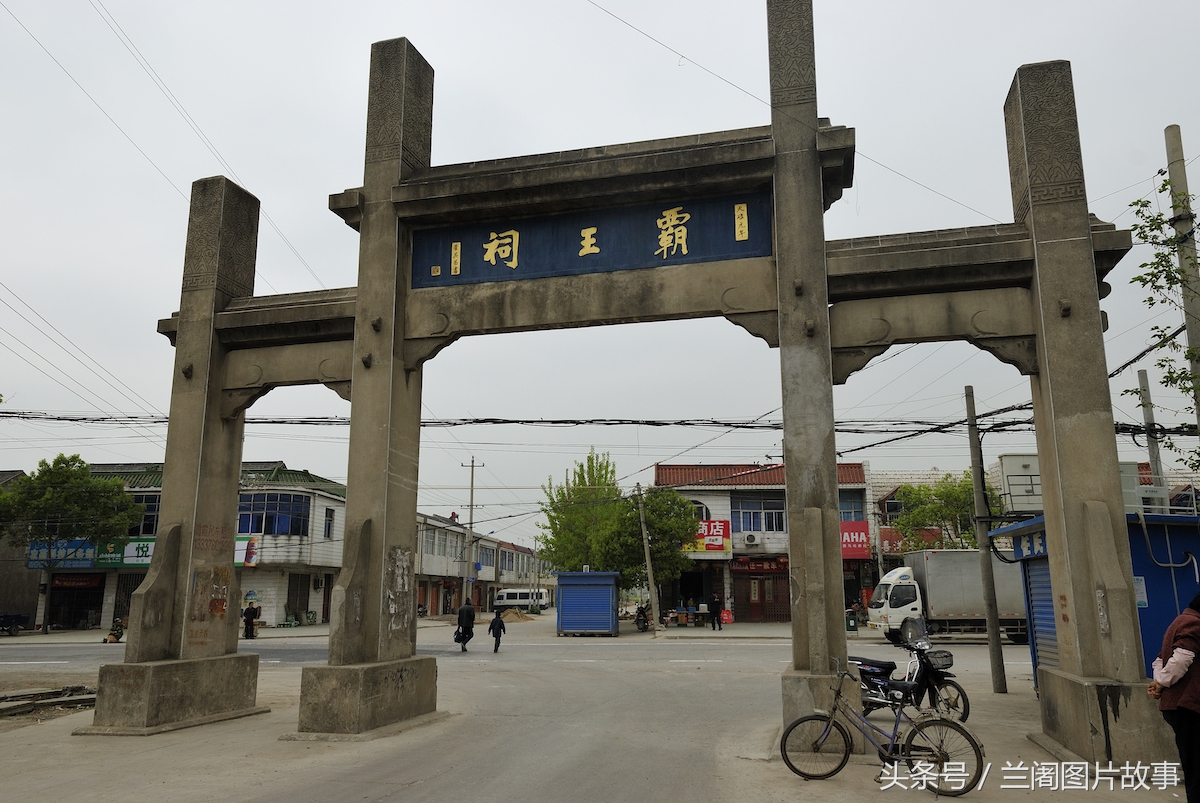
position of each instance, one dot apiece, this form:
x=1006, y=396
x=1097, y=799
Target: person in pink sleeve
x=1176, y=686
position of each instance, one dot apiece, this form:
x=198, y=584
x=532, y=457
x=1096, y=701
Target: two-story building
x=452, y=563
x=742, y=550
x=289, y=549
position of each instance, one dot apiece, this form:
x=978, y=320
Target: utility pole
x=469, y=565
x=1184, y=221
x=983, y=537
x=1156, y=470
x=649, y=566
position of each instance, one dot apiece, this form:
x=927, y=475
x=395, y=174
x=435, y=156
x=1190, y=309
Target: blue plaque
x=668, y=233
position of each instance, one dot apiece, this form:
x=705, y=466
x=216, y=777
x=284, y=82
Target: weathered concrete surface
x=1088, y=546
x=143, y=698
x=373, y=607
x=357, y=698
x=1102, y=720
x=815, y=558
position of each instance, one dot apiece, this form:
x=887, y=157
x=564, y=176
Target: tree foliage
x=63, y=501
x=948, y=505
x=670, y=522
x=590, y=522
x=580, y=513
x=1167, y=276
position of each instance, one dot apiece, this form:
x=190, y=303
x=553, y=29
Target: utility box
x=587, y=603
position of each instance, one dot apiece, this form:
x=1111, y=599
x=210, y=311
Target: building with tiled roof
x=741, y=553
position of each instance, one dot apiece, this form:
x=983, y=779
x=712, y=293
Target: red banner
x=856, y=540
x=77, y=581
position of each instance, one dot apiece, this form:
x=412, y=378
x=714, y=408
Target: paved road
x=547, y=718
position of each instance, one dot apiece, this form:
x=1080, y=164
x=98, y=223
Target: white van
x=521, y=598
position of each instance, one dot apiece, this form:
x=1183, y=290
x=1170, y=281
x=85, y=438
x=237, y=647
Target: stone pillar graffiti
x=1091, y=573
x=184, y=616
x=373, y=616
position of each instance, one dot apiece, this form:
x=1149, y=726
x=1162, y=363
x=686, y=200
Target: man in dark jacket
x=496, y=628
x=1176, y=686
x=714, y=613
x=466, y=623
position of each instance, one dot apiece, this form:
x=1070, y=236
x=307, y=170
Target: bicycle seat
x=887, y=667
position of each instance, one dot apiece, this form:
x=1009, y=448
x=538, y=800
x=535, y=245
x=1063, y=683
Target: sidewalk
x=95, y=636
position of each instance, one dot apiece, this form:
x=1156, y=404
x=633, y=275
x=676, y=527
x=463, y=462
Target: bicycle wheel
x=952, y=701
x=815, y=747
x=944, y=755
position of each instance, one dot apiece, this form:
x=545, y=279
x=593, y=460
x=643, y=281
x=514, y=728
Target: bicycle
x=941, y=750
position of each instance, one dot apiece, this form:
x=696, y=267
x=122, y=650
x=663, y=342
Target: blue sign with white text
x=1029, y=546
x=669, y=233
x=74, y=554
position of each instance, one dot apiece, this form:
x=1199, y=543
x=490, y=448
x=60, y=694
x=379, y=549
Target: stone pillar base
x=156, y=696
x=1103, y=720
x=356, y=698
x=807, y=693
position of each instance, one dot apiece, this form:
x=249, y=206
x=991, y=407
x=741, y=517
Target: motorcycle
x=926, y=670
x=642, y=618
x=422, y=611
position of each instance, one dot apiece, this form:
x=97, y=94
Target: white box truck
x=944, y=586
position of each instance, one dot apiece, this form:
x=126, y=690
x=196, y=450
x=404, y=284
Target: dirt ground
x=11, y=680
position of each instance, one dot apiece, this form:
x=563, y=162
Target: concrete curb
x=102, y=730
x=370, y=736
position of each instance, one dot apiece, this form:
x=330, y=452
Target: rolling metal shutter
x=1043, y=641
x=586, y=608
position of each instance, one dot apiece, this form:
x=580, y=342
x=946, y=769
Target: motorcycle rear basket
x=940, y=659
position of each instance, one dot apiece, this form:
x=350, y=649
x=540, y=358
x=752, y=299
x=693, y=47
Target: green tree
x=63, y=502
x=1167, y=275
x=580, y=513
x=670, y=522
x=948, y=505
x=590, y=522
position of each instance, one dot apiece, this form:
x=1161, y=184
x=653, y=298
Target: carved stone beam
x=251, y=373
x=998, y=320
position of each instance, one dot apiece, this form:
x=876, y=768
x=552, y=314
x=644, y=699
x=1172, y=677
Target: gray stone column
x=815, y=564
x=373, y=678
x=1094, y=703
x=181, y=663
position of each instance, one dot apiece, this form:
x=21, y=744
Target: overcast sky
x=97, y=164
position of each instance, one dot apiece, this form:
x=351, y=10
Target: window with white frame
x=758, y=511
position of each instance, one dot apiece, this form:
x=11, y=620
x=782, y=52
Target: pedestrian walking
x=466, y=623
x=496, y=628
x=1176, y=686
x=714, y=608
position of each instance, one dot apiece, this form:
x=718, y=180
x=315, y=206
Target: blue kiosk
x=1166, y=576
x=587, y=603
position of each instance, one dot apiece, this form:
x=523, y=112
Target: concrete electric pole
x=1184, y=221
x=649, y=565
x=469, y=550
x=983, y=538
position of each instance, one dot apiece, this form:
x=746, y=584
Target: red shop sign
x=77, y=581
x=856, y=540
x=768, y=565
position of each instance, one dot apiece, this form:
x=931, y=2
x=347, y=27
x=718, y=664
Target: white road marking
x=24, y=663
x=697, y=661
x=574, y=660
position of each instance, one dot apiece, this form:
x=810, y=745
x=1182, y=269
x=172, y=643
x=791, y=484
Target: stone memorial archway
x=727, y=224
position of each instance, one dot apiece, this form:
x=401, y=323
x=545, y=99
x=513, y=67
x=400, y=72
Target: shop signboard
x=135, y=553
x=712, y=542
x=856, y=540
x=73, y=554
x=767, y=565
x=1029, y=546
x=890, y=540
